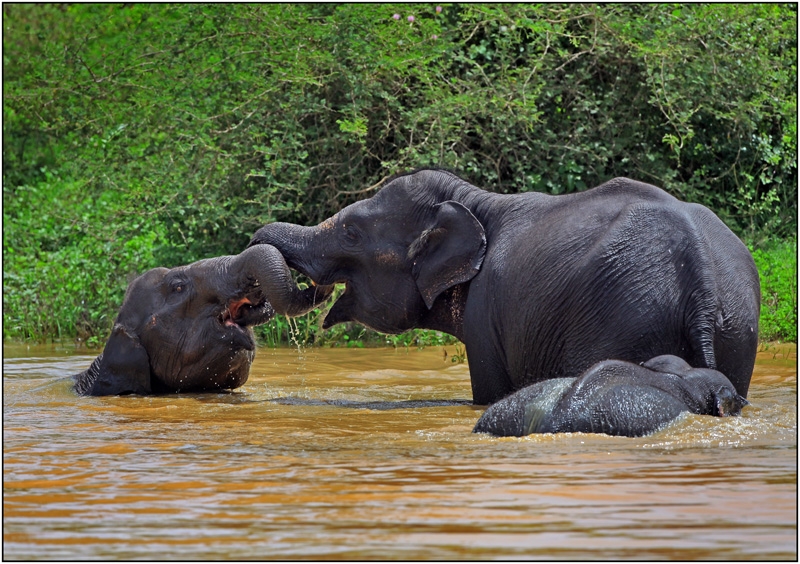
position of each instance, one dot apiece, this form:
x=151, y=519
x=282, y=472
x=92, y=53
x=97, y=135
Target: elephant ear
x=449, y=252
x=124, y=366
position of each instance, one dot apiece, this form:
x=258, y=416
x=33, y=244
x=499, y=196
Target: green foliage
x=137, y=135
x=777, y=267
x=62, y=277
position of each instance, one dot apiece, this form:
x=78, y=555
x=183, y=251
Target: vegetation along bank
x=139, y=135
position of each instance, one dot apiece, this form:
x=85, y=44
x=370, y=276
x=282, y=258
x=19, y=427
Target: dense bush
x=137, y=135
x=777, y=267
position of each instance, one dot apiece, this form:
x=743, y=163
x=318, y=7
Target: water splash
x=294, y=335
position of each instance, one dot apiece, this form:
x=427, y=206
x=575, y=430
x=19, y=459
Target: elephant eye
x=177, y=286
x=352, y=235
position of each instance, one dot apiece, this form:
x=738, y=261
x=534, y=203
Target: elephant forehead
x=353, y=214
x=216, y=265
x=149, y=279
x=328, y=224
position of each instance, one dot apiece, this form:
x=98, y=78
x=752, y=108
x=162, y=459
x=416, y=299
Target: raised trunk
x=297, y=245
x=265, y=274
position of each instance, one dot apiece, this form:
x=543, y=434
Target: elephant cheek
x=230, y=369
x=227, y=371
x=339, y=313
x=241, y=339
x=241, y=371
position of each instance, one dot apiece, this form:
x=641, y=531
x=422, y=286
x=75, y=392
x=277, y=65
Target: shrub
x=777, y=267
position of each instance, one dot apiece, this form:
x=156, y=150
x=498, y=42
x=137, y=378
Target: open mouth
x=232, y=316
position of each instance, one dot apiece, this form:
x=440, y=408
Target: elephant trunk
x=296, y=244
x=264, y=275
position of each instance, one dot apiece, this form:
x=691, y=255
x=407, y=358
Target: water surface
x=368, y=454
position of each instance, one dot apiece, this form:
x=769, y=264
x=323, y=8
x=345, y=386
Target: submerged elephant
x=188, y=328
x=615, y=398
x=537, y=286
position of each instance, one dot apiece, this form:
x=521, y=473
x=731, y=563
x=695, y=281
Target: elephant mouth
x=232, y=316
x=342, y=309
x=316, y=276
x=323, y=280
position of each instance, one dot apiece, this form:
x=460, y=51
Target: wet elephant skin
x=537, y=286
x=614, y=398
x=187, y=329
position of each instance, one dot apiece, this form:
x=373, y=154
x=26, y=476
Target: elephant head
x=396, y=253
x=709, y=391
x=188, y=328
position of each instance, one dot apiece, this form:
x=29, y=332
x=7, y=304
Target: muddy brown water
x=368, y=454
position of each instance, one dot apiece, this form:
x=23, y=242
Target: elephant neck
x=447, y=313
x=477, y=200
x=489, y=208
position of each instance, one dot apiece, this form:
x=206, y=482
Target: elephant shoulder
x=631, y=410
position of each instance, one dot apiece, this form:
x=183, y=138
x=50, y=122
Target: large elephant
x=188, y=328
x=614, y=397
x=537, y=286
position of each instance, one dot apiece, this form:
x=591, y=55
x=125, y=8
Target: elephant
x=615, y=398
x=537, y=286
x=187, y=329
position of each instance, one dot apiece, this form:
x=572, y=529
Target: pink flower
x=438, y=9
x=434, y=37
x=396, y=16
x=411, y=18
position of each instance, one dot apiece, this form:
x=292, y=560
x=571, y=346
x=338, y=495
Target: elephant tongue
x=233, y=310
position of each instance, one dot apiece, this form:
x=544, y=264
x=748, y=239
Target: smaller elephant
x=187, y=329
x=614, y=397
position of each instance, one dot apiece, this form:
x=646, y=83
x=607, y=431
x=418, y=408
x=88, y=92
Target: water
x=348, y=465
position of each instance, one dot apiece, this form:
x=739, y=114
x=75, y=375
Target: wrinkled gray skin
x=615, y=398
x=187, y=329
x=538, y=286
